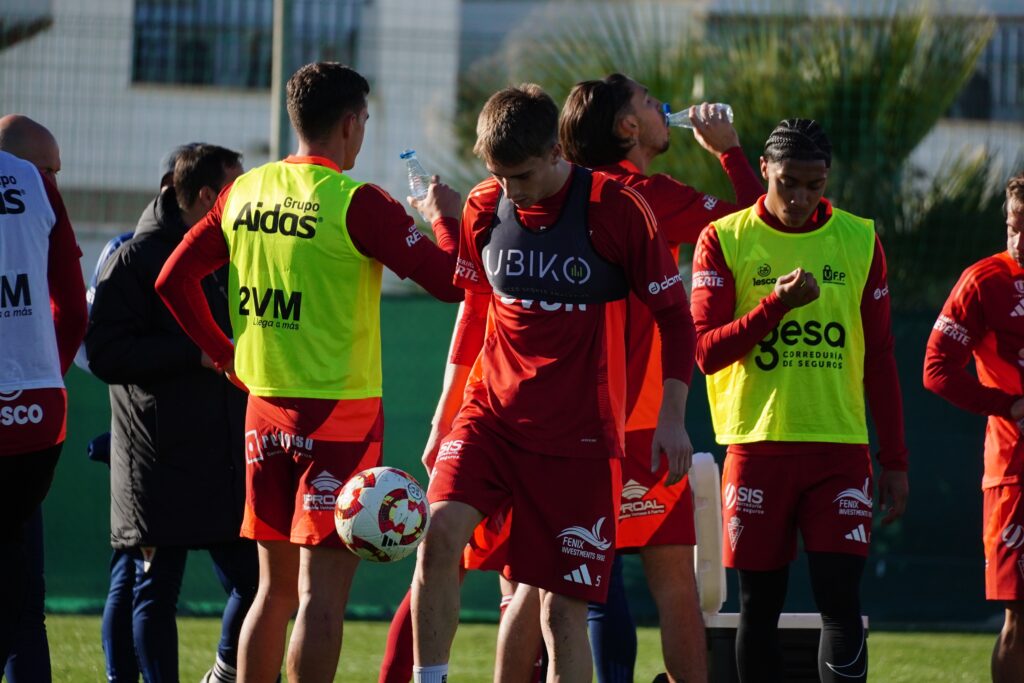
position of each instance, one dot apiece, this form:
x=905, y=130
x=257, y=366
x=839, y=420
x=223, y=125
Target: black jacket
x=177, y=470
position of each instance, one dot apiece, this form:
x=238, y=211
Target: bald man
x=42, y=322
x=28, y=140
x=29, y=659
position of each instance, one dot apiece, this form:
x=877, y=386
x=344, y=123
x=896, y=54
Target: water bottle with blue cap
x=681, y=119
x=419, y=180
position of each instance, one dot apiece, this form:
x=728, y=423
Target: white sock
x=224, y=672
x=430, y=674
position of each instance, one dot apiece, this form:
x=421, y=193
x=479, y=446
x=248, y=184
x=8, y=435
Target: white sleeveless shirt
x=28, y=343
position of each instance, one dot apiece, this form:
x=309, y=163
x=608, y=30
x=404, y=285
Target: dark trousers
x=29, y=660
x=157, y=583
x=613, y=632
x=116, y=629
x=24, y=481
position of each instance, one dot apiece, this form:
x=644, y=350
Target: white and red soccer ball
x=382, y=514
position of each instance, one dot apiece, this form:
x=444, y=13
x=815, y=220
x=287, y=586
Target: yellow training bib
x=305, y=303
x=805, y=380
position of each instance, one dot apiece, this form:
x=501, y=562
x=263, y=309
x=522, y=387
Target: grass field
x=895, y=657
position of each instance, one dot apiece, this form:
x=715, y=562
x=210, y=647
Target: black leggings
x=842, y=651
x=24, y=482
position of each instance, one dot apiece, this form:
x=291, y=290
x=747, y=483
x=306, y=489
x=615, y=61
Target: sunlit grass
x=895, y=657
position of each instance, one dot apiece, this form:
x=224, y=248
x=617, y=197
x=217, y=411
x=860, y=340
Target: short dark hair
x=800, y=139
x=199, y=166
x=168, y=161
x=1014, y=192
x=587, y=127
x=516, y=124
x=321, y=94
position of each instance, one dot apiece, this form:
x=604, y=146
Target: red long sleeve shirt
x=552, y=379
x=64, y=277
x=682, y=213
x=983, y=318
x=723, y=340
x=676, y=361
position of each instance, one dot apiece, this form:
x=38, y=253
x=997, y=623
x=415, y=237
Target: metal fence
x=122, y=82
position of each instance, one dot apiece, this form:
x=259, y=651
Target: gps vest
x=556, y=265
x=30, y=359
x=305, y=303
x=805, y=380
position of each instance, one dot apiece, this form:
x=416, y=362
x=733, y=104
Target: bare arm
x=670, y=433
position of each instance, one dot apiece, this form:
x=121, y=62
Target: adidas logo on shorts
x=858, y=535
x=581, y=575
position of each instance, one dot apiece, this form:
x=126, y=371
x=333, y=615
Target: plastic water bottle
x=681, y=119
x=419, y=181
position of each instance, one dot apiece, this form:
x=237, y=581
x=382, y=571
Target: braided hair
x=800, y=139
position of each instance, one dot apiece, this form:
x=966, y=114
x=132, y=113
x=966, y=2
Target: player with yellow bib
x=306, y=245
x=793, y=324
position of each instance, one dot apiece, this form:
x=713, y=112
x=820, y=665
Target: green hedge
x=926, y=568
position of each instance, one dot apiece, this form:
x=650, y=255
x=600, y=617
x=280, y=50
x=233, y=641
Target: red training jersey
x=984, y=318
x=551, y=377
x=723, y=340
x=682, y=212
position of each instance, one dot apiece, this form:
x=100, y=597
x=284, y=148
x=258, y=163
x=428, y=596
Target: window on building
x=996, y=90
x=227, y=43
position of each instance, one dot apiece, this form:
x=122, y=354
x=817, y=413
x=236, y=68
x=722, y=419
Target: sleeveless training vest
x=805, y=380
x=305, y=303
x=556, y=265
x=30, y=359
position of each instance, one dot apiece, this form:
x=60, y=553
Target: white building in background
x=988, y=117
x=121, y=82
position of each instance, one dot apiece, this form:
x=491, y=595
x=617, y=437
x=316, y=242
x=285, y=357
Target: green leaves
x=878, y=79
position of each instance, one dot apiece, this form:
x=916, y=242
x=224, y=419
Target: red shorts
x=487, y=549
x=292, y=482
x=32, y=420
x=563, y=537
x=1004, y=543
x=765, y=499
x=651, y=513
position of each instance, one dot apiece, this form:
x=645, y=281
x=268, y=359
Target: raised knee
x=444, y=542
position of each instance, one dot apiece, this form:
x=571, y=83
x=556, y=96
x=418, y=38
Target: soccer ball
x=382, y=514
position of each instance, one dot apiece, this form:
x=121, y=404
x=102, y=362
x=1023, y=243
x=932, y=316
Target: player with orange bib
x=548, y=253
x=793, y=330
x=306, y=245
x=983, y=319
